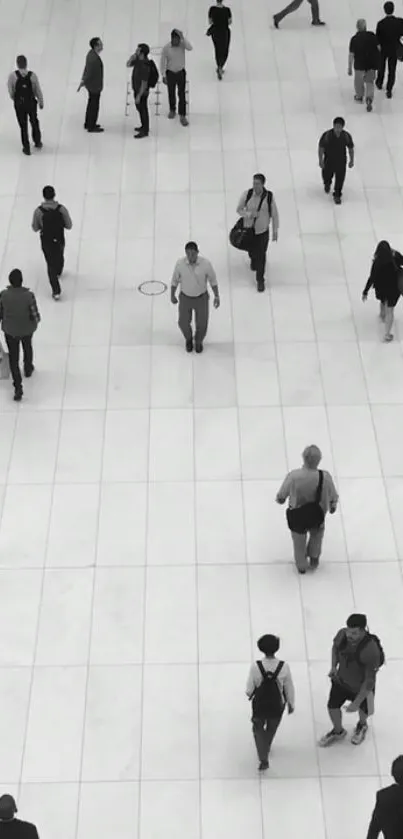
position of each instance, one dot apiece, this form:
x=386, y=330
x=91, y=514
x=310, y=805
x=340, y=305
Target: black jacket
x=389, y=31
x=387, y=817
x=385, y=279
x=93, y=75
x=17, y=829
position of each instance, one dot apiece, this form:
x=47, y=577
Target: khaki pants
x=364, y=83
x=307, y=545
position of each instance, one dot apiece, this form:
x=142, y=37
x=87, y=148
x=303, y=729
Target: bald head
x=361, y=25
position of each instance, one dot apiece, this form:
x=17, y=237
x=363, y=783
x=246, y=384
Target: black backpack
x=369, y=636
x=23, y=92
x=308, y=516
x=154, y=74
x=267, y=699
x=52, y=224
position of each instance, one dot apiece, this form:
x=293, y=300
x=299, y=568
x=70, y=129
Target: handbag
x=4, y=363
x=308, y=516
x=241, y=237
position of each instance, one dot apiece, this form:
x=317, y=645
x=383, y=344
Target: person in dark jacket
x=384, y=277
x=51, y=219
x=19, y=318
x=364, y=54
x=10, y=827
x=93, y=81
x=389, y=30
x=220, y=19
x=387, y=817
x=25, y=91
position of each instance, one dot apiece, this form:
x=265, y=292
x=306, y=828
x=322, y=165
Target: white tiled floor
x=141, y=553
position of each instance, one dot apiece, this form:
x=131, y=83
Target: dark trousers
x=294, y=5
x=142, y=108
x=54, y=257
x=391, y=61
x=91, y=114
x=264, y=732
x=333, y=169
x=24, y=114
x=13, y=346
x=258, y=253
x=200, y=307
x=177, y=81
x=221, y=39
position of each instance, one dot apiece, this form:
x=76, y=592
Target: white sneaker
x=332, y=737
x=360, y=733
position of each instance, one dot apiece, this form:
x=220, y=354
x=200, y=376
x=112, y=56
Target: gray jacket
x=19, y=315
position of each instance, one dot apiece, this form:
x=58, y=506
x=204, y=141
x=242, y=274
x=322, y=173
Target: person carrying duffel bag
x=257, y=209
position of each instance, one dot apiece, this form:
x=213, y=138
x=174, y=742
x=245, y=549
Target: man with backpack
x=25, y=91
x=258, y=209
x=144, y=77
x=51, y=219
x=357, y=656
x=270, y=688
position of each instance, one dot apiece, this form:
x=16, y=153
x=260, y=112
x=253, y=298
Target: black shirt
x=384, y=277
x=364, y=47
x=387, y=817
x=220, y=16
x=335, y=147
x=17, y=829
x=389, y=31
x=140, y=74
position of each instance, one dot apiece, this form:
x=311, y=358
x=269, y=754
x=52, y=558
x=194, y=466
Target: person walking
x=19, y=318
x=173, y=72
x=270, y=688
x=220, y=20
x=258, y=209
x=93, y=81
x=51, y=219
x=363, y=53
x=332, y=151
x=194, y=273
x=10, y=827
x=293, y=6
x=312, y=494
x=387, y=817
x=26, y=93
x=389, y=31
x=141, y=87
x=385, y=274
x=357, y=656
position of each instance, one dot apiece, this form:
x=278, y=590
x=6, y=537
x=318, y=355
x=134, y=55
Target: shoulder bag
x=241, y=237
x=308, y=516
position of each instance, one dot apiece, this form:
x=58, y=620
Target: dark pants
x=264, y=732
x=294, y=5
x=198, y=305
x=13, y=346
x=338, y=171
x=91, y=114
x=258, y=255
x=142, y=108
x=221, y=39
x=54, y=256
x=24, y=114
x=177, y=81
x=391, y=61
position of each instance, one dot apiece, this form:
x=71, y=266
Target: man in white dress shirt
x=194, y=273
x=173, y=72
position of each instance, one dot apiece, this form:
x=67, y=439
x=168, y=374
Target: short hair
x=312, y=455
x=48, y=193
x=357, y=621
x=361, y=24
x=191, y=246
x=21, y=62
x=145, y=49
x=175, y=33
x=15, y=278
x=260, y=177
x=8, y=807
x=397, y=767
x=269, y=644
x=389, y=8
x=94, y=42
x=339, y=121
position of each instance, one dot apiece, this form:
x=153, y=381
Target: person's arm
x=11, y=85
x=66, y=217
x=34, y=311
x=284, y=490
x=351, y=154
x=275, y=219
x=1, y=310
x=184, y=41
x=251, y=683
x=322, y=149
x=374, y=825
x=334, y=657
x=367, y=687
x=87, y=72
x=37, y=90
x=242, y=209
x=370, y=283
x=130, y=61
x=212, y=279
x=37, y=220
x=142, y=91
x=350, y=58
x=176, y=278
x=163, y=62
x=333, y=494
x=289, y=690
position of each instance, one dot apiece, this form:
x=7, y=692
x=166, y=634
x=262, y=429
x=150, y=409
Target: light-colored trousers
x=364, y=83
x=307, y=545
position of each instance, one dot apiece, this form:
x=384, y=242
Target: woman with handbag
x=387, y=280
x=220, y=19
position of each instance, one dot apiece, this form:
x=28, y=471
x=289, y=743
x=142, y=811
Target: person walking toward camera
x=389, y=31
x=173, y=72
x=194, y=274
x=25, y=91
x=270, y=688
x=385, y=278
x=258, y=209
x=51, y=219
x=93, y=81
x=332, y=151
x=363, y=53
x=311, y=494
x=220, y=20
x=19, y=318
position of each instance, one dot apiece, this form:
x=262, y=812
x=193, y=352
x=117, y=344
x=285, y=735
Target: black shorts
x=339, y=694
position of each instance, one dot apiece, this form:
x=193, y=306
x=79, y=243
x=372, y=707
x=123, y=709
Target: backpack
x=369, y=636
x=154, y=74
x=52, y=224
x=267, y=699
x=308, y=516
x=23, y=92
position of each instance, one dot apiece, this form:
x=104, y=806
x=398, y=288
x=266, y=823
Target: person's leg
x=225, y=47
x=369, y=81
x=337, y=697
x=392, y=64
x=92, y=112
x=340, y=176
x=185, y=311
x=181, y=82
x=314, y=546
x=201, y=318
x=271, y=731
x=171, y=84
x=389, y=318
x=315, y=10
x=292, y=7
x=299, y=542
x=327, y=175
x=13, y=347
x=88, y=112
x=60, y=256
x=259, y=734
x=261, y=245
x=145, y=117
x=97, y=102
x=381, y=70
x=359, y=84
x=28, y=354
x=361, y=729
x=216, y=39
x=22, y=119
x=52, y=262
x=35, y=127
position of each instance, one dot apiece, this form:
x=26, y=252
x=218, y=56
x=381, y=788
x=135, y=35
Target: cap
x=357, y=621
x=8, y=807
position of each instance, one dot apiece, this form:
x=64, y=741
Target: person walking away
x=25, y=91
x=220, y=20
x=389, y=31
x=387, y=817
x=293, y=6
x=385, y=274
x=258, y=209
x=364, y=55
x=51, y=219
x=270, y=688
x=332, y=151
x=173, y=72
x=194, y=273
x=141, y=87
x=19, y=318
x=10, y=827
x=308, y=489
x=93, y=81
x=357, y=656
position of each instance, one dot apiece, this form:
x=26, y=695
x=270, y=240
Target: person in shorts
x=356, y=658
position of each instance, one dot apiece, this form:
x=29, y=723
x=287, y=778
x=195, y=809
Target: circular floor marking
x=152, y=288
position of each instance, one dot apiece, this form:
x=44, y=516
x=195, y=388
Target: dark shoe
x=184, y=121
x=369, y=105
x=327, y=188
x=189, y=345
x=379, y=86
x=275, y=22
x=140, y=135
x=260, y=285
x=301, y=571
x=337, y=199
x=39, y=145
x=358, y=99
x=388, y=94
x=26, y=150
x=172, y=115
x=96, y=130
x=263, y=765
x=314, y=563
x=199, y=348
x=28, y=373
x=18, y=394
x=318, y=23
